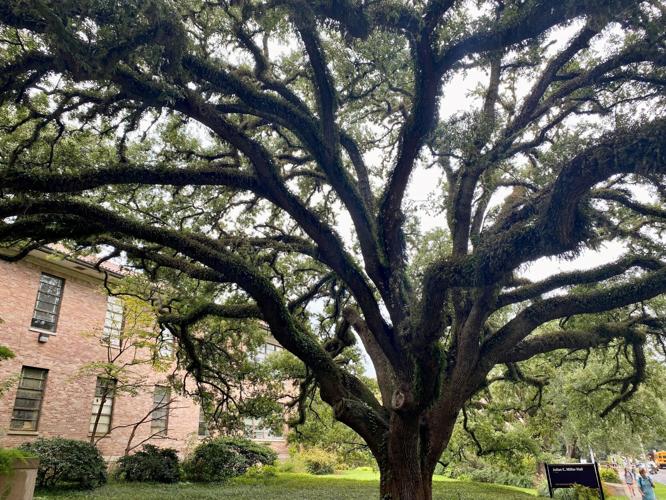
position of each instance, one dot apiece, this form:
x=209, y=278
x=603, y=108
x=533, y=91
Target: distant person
x=630, y=480
x=645, y=485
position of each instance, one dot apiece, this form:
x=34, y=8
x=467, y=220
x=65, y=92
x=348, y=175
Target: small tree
x=134, y=347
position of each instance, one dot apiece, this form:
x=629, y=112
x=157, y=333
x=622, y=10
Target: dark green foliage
x=254, y=453
x=223, y=458
x=151, y=464
x=67, y=461
x=5, y=353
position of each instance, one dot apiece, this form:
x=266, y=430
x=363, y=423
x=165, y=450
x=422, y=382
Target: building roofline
x=76, y=264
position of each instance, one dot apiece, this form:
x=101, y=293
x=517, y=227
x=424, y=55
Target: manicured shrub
x=222, y=458
x=609, y=475
x=67, y=461
x=318, y=461
x=151, y=464
x=254, y=453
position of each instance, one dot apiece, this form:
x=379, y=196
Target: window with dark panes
x=29, y=396
x=160, y=420
x=47, y=305
x=102, y=405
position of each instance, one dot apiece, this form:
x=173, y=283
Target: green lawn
x=660, y=490
x=355, y=485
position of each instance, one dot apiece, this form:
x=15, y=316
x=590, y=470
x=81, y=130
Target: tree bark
x=399, y=483
x=405, y=473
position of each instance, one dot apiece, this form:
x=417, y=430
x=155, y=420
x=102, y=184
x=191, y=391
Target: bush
x=318, y=461
x=578, y=492
x=261, y=472
x=222, y=458
x=151, y=464
x=294, y=463
x=67, y=461
x=609, y=475
x=499, y=476
x=254, y=453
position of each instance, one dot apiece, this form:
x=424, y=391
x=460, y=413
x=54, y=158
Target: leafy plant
x=223, y=458
x=609, y=475
x=67, y=461
x=318, y=461
x=254, y=453
x=6, y=353
x=499, y=476
x=7, y=456
x=151, y=464
x=261, y=472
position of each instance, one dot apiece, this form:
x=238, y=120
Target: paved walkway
x=660, y=477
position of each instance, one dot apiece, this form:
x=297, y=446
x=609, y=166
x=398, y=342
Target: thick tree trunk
x=405, y=474
x=401, y=483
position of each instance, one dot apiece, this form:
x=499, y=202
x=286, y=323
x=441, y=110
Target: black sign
x=566, y=475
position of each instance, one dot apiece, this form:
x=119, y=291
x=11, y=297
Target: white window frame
x=107, y=408
x=113, y=321
x=255, y=431
x=165, y=344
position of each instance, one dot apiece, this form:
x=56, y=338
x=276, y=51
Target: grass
x=352, y=485
x=660, y=490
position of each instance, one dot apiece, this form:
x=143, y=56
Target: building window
x=203, y=424
x=47, y=305
x=160, y=420
x=264, y=350
x=254, y=429
x=102, y=406
x=165, y=344
x=113, y=323
x=29, y=395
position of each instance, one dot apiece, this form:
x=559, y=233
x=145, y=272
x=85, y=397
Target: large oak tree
x=233, y=142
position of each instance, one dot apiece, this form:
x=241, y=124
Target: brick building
x=57, y=318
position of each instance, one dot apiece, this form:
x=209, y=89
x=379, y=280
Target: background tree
x=133, y=346
x=266, y=147
x=555, y=407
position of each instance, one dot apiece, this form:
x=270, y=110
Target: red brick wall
x=66, y=406
x=68, y=396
